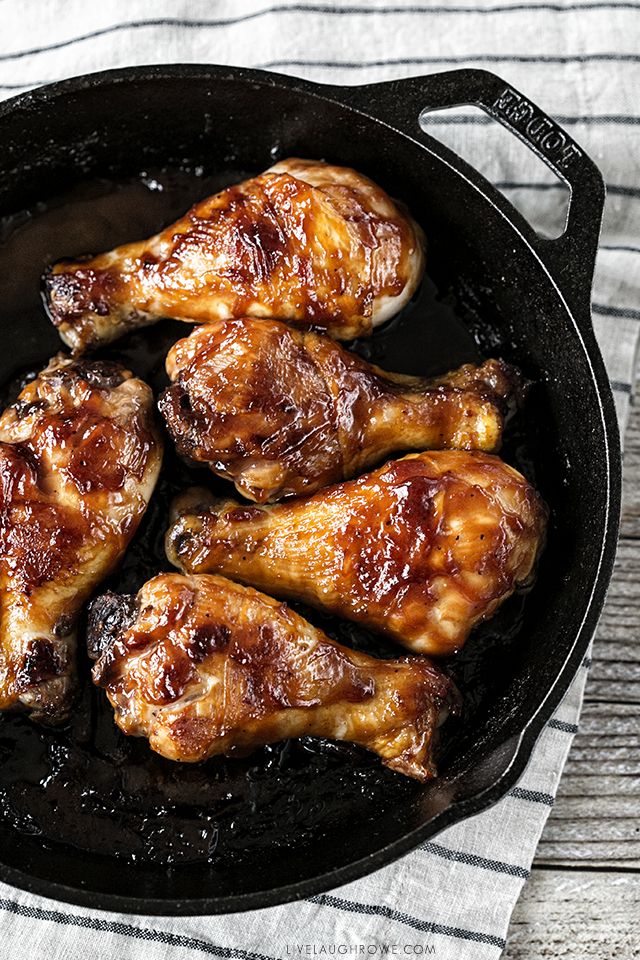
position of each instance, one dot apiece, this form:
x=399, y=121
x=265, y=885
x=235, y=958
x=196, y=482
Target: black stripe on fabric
x=325, y=10
x=563, y=725
x=614, y=189
x=23, y=86
x=424, y=926
x=495, y=8
x=463, y=119
x=619, y=191
x=621, y=249
x=605, y=57
x=129, y=930
x=472, y=860
x=524, y=185
x=626, y=313
x=620, y=386
x=533, y=796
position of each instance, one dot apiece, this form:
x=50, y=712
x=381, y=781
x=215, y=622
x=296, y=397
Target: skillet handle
x=571, y=257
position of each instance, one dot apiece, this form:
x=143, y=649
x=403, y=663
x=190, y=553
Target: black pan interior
x=95, y=811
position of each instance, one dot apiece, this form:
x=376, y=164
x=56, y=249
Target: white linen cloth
x=579, y=61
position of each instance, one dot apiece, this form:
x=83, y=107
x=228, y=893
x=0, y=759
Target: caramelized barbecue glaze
x=421, y=549
x=305, y=241
x=282, y=411
x=79, y=457
x=203, y=666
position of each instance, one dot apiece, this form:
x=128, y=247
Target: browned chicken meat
x=305, y=241
x=282, y=411
x=422, y=549
x=203, y=666
x=79, y=458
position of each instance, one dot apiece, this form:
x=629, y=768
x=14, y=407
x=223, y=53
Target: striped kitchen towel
x=580, y=61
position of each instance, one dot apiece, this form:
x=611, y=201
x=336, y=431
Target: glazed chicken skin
x=79, y=458
x=421, y=549
x=305, y=241
x=281, y=411
x=202, y=666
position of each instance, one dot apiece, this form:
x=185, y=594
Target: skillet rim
x=519, y=746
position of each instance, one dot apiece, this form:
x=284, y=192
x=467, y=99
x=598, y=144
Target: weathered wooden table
x=583, y=897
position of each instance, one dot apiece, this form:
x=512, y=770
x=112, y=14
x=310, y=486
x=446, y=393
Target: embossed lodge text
x=549, y=139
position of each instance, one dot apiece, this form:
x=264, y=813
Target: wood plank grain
x=595, y=817
x=576, y=915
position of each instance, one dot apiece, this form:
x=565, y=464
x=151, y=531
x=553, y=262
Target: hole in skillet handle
x=570, y=257
x=530, y=186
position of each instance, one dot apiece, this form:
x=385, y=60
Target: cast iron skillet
x=89, y=817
